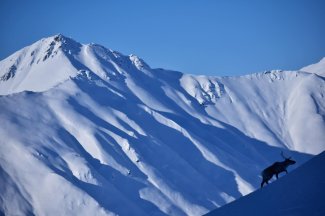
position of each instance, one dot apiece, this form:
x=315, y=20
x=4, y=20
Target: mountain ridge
x=49, y=47
x=112, y=132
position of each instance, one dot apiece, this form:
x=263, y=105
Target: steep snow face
x=298, y=193
x=280, y=108
x=90, y=131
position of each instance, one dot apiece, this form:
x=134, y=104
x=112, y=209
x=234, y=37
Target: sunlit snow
x=89, y=131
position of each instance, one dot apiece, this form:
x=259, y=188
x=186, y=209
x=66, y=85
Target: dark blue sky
x=211, y=37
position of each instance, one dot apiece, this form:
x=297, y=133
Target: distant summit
x=317, y=68
x=52, y=60
x=86, y=130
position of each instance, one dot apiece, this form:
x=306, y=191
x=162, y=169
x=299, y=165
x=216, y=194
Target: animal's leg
x=277, y=175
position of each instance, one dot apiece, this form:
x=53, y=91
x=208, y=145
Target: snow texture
x=86, y=130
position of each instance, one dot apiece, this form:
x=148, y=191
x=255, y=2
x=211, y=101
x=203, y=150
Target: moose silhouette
x=276, y=168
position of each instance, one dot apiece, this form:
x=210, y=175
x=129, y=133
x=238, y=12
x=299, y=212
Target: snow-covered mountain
x=317, y=68
x=88, y=131
x=300, y=193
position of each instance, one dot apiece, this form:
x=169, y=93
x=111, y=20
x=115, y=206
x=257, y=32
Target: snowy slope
x=38, y=67
x=298, y=193
x=88, y=131
x=317, y=68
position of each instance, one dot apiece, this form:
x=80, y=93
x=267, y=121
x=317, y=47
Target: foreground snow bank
x=298, y=193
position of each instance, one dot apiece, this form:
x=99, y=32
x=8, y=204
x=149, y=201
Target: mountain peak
x=183, y=144
x=57, y=58
x=60, y=38
x=39, y=66
x=317, y=68
x=67, y=44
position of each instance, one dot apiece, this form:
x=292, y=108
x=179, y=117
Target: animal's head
x=288, y=160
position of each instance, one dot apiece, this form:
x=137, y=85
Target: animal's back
x=267, y=173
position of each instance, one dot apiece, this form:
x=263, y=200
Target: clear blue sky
x=212, y=37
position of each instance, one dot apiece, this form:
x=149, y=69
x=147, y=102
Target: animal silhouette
x=276, y=168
